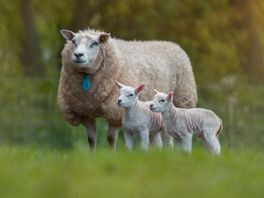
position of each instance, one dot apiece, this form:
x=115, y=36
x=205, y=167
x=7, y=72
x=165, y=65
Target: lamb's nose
x=78, y=55
x=119, y=101
x=151, y=106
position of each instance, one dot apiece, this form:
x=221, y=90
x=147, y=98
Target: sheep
x=182, y=124
x=92, y=60
x=138, y=118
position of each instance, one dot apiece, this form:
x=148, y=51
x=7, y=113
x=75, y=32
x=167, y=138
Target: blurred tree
x=80, y=15
x=85, y=14
x=31, y=52
x=249, y=49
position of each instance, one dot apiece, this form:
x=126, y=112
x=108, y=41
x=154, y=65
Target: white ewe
x=182, y=124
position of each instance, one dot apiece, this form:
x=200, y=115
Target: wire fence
x=29, y=115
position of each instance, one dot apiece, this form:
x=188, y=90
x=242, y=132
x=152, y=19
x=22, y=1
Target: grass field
x=28, y=172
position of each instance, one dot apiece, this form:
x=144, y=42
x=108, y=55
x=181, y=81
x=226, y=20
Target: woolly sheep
x=92, y=60
x=182, y=124
x=138, y=118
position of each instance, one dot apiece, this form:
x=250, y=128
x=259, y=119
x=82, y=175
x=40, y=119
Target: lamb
x=182, y=124
x=92, y=60
x=138, y=118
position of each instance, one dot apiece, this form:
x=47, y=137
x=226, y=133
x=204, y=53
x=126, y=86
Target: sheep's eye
x=93, y=44
x=162, y=100
x=74, y=43
x=130, y=95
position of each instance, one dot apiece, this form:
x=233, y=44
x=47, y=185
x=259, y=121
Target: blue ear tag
x=86, y=83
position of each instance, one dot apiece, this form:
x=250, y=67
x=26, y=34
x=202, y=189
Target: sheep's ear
x=119, y=84
x=139, y=89
x=104, y=37
x=67, y=34
x=170, y=96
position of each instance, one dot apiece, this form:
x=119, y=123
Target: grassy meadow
x=31, y=172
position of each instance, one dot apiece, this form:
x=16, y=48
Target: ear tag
x=86, y=83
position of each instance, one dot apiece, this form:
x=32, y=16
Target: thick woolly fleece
x=161, y=65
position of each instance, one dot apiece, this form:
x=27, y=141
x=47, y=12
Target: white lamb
x=182, y=124
x=138, y=118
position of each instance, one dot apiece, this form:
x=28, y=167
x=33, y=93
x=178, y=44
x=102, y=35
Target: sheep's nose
x=119, y=101
x=151, y=106
x=78, y=55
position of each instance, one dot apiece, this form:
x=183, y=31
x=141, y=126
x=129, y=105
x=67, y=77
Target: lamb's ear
x=156, y=91
x=103, y=37
x=139, y=89
x=119, y=84
x=67, y=34
x=170, y=96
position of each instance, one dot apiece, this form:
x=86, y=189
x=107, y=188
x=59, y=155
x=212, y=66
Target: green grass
x=28, y=172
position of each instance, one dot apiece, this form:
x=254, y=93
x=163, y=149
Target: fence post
x=230, y=117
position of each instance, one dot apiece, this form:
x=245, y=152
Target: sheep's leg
x=112, y=136
x=72, y=118
x=68, y=114
x=91, y=132
x=144, y=139
x=212, y=143
x=186, y=142
x=167, y=139
x=155, y=140
x=129, y=140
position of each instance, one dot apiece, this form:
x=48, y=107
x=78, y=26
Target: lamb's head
x=161, y=101
x=128, y=96
x=83, y=47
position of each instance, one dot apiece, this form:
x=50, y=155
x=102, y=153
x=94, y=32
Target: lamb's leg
x=91, y=132
x=186, y=142
x=167, y=139
x=144, y=139
x=112, y=136
x=155, y=140
x=177, y=143
x=129, y=140
x=212, y=143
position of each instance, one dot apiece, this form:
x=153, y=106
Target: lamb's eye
x=162, y=100
x=74, y=43
x=130, y=95
x=94, y=44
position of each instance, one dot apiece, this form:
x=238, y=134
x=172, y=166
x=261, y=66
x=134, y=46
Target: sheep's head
x=128, y=95
x=84, y=48
x=161, y=101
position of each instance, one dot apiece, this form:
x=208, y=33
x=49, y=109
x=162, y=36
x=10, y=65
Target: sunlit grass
x=28, y=172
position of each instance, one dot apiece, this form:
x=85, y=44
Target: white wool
x=182, y=124
x=139, y=119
